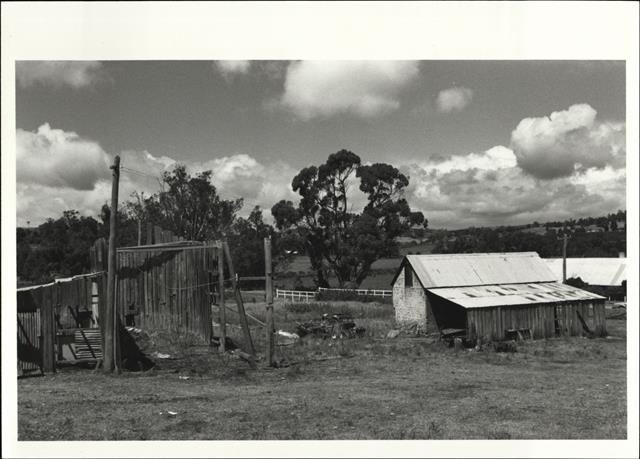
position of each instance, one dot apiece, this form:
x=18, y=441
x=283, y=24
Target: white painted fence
x=359, y=291
x=306, y=296
x=295, y=295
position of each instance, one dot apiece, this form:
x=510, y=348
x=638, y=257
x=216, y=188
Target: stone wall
x=409, y=302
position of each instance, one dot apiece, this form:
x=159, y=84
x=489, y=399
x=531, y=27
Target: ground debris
x=331, y=326
x=393, y=334
x=284, y=338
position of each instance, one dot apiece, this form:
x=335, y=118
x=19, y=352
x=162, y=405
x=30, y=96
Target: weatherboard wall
x=544, y=320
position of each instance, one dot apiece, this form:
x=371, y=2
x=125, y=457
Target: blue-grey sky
x=484, y=142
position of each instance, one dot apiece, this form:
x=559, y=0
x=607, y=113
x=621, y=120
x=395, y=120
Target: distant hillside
x=588, y=237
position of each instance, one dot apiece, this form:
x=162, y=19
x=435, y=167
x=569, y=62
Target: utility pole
x=110, y=329
x=564, y=259
x=268, y=275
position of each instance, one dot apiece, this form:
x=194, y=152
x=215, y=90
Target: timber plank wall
x=167, y=289
x=544, y=321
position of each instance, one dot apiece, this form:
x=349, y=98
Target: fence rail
x=359, y=291
x=308, y=296
x=295, y=295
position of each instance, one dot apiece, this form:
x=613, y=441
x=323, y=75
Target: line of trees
x=341, y=243
x=322, y=224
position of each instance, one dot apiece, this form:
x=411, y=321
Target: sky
x=484, y=143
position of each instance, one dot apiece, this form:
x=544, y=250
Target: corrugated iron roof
x=60, y=281
x=467, y=269
x=513, y=294
x=594, y=271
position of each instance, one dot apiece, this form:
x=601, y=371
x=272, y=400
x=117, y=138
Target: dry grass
x=368, y=388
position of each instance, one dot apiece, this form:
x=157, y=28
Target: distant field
x=301, y=264
x=364, y=388
x=421, y=249
x=299, y=273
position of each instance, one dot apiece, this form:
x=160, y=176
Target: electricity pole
x=110, y=329
x=564, y=258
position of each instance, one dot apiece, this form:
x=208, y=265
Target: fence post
x=221, y=303
x=48, y=332
x=270, y=329
x=240, y=304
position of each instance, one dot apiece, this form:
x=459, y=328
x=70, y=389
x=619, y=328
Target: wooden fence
x=359, y=291
x=166, y=284
x=306, y=296
x=46, y=313
x=295, y=295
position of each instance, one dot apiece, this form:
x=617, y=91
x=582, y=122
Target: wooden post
x=48, y=330
x=241, y=313
x=270, y=329
x=221, y=304
x=564, y=259
x=109, y=329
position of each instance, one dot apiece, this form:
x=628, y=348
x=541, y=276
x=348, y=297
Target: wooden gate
x=29, y=346
x=51, y=315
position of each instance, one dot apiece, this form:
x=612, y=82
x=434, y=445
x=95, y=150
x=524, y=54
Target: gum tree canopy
x=339, y=241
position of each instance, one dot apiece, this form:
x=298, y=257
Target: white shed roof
x=469, y=269
x=594, y=271
x=513, y=294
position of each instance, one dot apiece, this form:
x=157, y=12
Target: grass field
x=363, y=388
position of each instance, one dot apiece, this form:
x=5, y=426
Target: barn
x=492, y=296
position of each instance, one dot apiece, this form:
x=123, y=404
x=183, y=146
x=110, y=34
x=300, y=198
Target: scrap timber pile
x=331, y=326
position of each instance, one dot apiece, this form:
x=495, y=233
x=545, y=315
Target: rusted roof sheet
x=594, y=271
x=467, y=269
x=487, y=296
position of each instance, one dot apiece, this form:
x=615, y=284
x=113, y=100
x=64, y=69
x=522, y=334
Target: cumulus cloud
x=59, y=159
x=454, y=99
x=498, y=157
x=568, y=141
x=363, y=88
x=59, y=170
x=491, y=189
x=230, y=68
x=77, y=74
x=242, y=176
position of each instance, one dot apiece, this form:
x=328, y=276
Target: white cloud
x=363, y=88
x=77, y=74
x=491, y=189
x=59, y=170
x=230, y=68
x=568, y=141
x=57, y=158
x=242, y=176
x=497, y=157
x=454, y=99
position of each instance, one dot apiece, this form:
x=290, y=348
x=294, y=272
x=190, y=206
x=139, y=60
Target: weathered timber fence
x=166, y=284
x=46, y=312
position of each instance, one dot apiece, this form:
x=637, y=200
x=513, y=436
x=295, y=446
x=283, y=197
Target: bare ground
x=366, y=388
